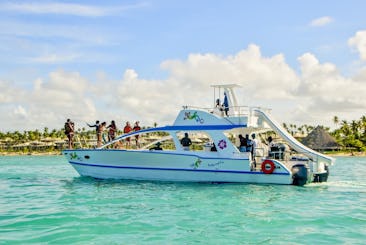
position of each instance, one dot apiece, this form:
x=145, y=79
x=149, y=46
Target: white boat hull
x=170, y=166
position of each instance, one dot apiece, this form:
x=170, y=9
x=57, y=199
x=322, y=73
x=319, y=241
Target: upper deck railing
x=234, y=111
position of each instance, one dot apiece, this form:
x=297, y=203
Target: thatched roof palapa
x=319, y=139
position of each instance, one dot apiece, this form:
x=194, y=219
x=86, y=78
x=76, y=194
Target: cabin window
x=200, y=140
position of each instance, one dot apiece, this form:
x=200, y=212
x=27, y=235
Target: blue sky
x=105, y=51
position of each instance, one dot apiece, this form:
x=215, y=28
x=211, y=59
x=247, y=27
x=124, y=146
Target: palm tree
x=355, y=127
x=363, y=123
x=345, y=130
x=336, y=120
x=45, y=132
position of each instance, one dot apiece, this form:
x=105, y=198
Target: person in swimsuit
x=127, y=129
x=137, y=128
x=112, y=129
x=69, y=131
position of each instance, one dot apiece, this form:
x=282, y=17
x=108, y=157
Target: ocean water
x=44, y=201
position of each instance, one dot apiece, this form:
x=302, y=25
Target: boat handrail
x=243, y=110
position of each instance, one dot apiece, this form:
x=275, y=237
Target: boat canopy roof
x=181, y=128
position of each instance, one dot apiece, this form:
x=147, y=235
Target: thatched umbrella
x=319, y=139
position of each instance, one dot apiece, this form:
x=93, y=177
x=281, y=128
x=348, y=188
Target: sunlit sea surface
x=44, y=201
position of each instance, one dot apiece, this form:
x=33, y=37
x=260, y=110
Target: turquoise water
x=44, y=201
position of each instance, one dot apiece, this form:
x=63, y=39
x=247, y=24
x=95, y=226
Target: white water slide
x=296, y=145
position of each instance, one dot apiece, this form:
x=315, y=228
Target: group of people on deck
x=248, y=145
x=100, y=129
x=112, y=130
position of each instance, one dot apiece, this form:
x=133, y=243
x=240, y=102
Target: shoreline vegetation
x=349, y=139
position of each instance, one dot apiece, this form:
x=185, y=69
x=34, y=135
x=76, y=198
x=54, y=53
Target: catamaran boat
x=214, y=155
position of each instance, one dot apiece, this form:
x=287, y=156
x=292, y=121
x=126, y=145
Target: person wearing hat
x=156, y=147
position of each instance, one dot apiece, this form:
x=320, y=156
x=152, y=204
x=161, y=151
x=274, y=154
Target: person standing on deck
x=249, y=143
x=127, y=129
x=96, y=126
x=137, y=127
x=226, y=104
x=112, y=129
x=243, y=143
x=69, y=131
x=100, y=136
x=254, y=147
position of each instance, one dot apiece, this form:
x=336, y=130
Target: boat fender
x=268, y=166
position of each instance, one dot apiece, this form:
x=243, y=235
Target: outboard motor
x=322, y=177
x=300, y=174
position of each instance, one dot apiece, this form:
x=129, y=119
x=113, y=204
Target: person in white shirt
x=254, y=146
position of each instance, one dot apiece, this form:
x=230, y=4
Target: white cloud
x=359, y=42
x=318, y=93
x=67, y=8
x=248, y=68
x=48, y=103
x=7, y=92
x=322, y=21
x=324, y=92
x=53, y=58
x=20, y=110
x=18, y=30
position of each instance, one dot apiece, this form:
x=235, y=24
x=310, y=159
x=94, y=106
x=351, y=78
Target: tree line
x=348, y=134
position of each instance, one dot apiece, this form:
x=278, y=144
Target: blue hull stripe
x=174, y=169
x=152, y=152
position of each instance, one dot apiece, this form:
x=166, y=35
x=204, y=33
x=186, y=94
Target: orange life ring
x=268, y=166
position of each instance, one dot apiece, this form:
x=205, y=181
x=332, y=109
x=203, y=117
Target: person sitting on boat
x=213, y=148
x=156, y=147
x=126, y=130
x=219, y=109
x=270, y=142
x=243, y=143
x=226, y=104
x=186, y=142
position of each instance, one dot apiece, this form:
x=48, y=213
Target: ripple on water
x=43, y=200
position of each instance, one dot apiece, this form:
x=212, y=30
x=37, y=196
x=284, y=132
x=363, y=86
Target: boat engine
x=300, y=174
x=322, y=176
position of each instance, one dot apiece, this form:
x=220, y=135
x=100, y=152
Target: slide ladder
x=295, y=144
